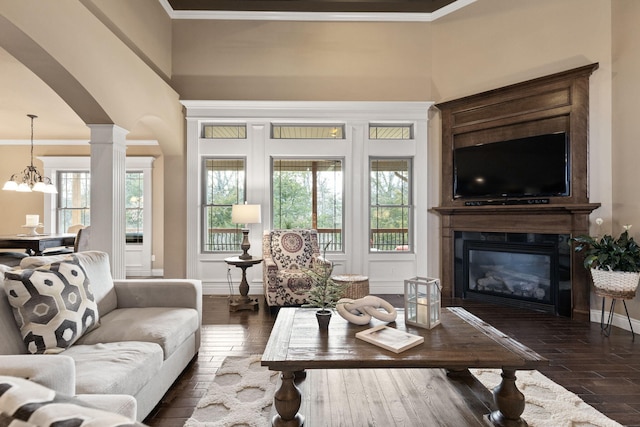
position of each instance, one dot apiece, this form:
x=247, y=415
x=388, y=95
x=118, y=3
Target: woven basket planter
x=615, y=284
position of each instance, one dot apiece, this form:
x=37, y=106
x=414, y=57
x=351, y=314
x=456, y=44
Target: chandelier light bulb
x=23, y=187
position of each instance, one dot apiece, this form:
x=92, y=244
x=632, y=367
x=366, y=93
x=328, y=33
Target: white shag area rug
x=547, y=403
x=242, y=392
x=240, y=395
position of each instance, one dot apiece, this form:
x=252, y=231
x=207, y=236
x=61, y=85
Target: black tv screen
x=536, y=166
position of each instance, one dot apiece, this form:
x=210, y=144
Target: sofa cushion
x=25, y=403
x=53, y=305
x=11, y=342
x=168, y=327
x=115, y=368
x=98, y=269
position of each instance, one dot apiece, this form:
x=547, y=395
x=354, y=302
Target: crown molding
x=314, y=16
x=70, y=142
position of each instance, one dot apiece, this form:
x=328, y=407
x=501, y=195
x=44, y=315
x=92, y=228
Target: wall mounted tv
x=535, y=166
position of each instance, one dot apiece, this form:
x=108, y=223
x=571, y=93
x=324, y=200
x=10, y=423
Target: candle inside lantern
x=423, y=311
x=33, y=220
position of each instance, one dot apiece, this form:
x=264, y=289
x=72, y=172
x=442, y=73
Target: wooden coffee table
x=460, y=342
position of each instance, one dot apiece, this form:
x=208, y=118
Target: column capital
x=108, y=134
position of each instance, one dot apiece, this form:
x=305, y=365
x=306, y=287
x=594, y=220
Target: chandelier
x=30, y=179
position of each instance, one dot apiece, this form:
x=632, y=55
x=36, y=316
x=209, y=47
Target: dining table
x=38, y=243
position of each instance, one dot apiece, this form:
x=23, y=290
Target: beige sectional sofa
x=147, y=333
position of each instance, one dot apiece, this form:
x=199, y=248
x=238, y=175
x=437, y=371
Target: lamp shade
x=245, y=214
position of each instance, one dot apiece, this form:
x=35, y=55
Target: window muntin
x=224, y=131
x=307, y=193
x=390, y=181
x=307, y=131
x=391, y=131
x=224, y=186
x=134, y=207
x=74, y=189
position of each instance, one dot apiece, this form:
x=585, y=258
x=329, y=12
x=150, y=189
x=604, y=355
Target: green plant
x=609, y=253
x=325, y=292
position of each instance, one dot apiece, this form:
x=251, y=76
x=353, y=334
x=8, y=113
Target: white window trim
x=53, y=164
x=384, y=269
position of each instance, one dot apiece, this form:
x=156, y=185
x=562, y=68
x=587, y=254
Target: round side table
x=243, y=302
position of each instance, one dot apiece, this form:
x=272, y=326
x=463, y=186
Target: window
x=324, y=131
x=224, y=186
x=388, y=131
x=224, y=131
x=73, y=199
x=390, y=210
x=134, y=204
x=307, y=193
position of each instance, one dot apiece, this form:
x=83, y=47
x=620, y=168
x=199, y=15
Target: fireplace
x=527, y=270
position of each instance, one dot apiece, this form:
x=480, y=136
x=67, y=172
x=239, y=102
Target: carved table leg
x=287, y=401
x=509, y=401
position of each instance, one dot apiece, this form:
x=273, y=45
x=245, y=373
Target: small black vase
x=323, y=316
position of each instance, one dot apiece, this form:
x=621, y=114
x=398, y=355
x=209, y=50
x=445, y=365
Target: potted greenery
x=614, y=262
x=325, y=292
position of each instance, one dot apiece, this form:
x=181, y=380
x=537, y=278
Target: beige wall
x=14, y=206
x=143, y=25
x=488, y=44
x=625, y=124
x=264, y=60
x=99, y=59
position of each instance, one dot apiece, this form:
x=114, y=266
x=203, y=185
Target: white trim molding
x=129, y=142
x=314, y=16
x=386, y=270
x=619, y=320
x=137, y=257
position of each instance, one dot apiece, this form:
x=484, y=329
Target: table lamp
x=245, y=214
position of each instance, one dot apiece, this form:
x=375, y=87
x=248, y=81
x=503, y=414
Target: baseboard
x=619, y=320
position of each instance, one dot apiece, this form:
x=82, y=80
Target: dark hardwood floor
x=604, y=372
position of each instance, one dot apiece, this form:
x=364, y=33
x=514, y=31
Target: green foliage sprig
x=609, y=253
x=325, y=292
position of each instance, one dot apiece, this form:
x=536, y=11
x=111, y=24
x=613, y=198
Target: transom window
x=390, y=182
x=222, y=131
x=389, y=131
x=307, y=131
x=307, y=193
x=224, y=186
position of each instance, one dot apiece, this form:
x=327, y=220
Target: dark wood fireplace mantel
x=555, y=103
x=571, y=219
x=553, y=219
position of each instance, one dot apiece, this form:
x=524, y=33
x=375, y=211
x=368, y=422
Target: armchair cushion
x=53, y=305
x=288, y=254
x=292, y=249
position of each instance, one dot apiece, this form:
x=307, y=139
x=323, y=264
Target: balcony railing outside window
x=229, y=239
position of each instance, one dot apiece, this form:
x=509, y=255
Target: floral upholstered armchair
x=287, y=254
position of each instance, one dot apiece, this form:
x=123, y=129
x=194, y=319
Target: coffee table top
x=461, y=341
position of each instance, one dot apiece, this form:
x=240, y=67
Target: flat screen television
x=536, y=166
